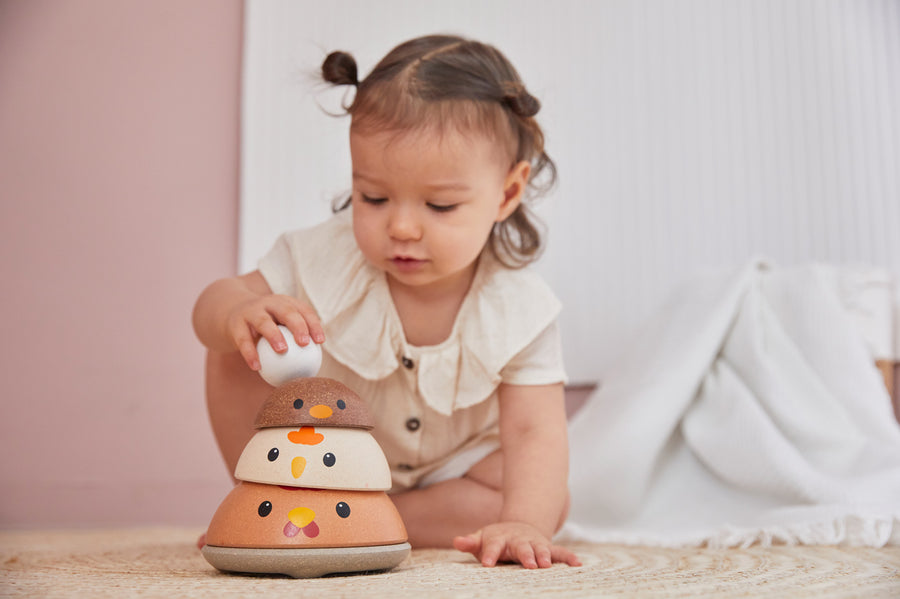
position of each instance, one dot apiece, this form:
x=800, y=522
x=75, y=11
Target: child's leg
x=436, y=514
x=234, y=394
x=459, y=506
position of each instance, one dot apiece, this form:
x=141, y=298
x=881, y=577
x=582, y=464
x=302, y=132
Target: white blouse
x=428, y=402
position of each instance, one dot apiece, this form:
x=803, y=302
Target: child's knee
x=234, y=394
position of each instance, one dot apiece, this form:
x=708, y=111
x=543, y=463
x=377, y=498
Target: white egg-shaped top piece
x=315, y=457
x=298, y=361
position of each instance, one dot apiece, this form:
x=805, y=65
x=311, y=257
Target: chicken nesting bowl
x=311, y=493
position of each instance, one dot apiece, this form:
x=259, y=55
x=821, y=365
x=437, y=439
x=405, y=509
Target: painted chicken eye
x=273, y=454
x=328, y=459
x=341, y=404
x=265, y=508
x=298, y=403
x=342, y=509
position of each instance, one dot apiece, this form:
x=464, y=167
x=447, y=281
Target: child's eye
x=442, y=207
x=373, y=201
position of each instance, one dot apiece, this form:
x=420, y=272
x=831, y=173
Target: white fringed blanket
x=749, y=411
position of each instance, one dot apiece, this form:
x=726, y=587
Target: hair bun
x=339, y=68
x=522, y=103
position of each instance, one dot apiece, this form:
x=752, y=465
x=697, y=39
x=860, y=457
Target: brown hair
x=442, y=80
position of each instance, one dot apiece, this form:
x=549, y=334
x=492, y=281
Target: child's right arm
x=232, y=314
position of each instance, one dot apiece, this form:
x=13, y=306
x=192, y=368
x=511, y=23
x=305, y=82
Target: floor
x=164, y=562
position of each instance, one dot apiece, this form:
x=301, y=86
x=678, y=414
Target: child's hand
x=514, y=542
x=261, y=316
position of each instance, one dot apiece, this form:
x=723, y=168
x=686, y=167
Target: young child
x=415, y=283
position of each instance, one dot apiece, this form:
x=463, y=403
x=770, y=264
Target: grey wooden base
x=306, y=563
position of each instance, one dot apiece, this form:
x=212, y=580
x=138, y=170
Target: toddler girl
x=415, y=283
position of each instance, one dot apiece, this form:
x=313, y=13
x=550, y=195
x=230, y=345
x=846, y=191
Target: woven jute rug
x=166, y=563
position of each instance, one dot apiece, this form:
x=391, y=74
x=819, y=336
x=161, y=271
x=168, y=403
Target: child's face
x=424, y=202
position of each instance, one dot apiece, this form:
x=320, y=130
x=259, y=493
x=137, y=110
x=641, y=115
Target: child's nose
x=404, y=225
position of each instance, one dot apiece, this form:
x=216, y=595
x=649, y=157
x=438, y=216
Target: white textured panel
x=689, y=135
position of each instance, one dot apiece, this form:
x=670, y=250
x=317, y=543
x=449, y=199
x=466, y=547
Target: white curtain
x=690, y=135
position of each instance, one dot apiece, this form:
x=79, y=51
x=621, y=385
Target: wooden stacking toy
x=310, y=498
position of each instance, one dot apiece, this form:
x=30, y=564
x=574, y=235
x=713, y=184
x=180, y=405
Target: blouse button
x=413, y=424
x=408, y=363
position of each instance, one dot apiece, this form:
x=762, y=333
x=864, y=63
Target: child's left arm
x=533, y=437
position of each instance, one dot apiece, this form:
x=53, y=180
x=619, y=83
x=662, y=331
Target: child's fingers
x=524, y=554
x=543, y=556
x=491, y=550
x=247, y=349
x=528, y=550
x=562, y=555
x=267, y=329
x=301, y=319
x=469, y=543
x=313, y=324
x=295, y=322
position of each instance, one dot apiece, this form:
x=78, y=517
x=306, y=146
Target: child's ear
x=513, y=189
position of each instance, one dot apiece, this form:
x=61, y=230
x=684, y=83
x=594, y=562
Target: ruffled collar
x=503, y=312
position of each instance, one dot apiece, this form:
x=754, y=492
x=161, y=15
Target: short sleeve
x=540, y=363
x=278, y=269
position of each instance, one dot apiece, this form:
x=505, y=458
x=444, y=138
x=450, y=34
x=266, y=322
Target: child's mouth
x=406, y=263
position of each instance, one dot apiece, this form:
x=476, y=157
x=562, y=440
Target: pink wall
x=119, y=126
